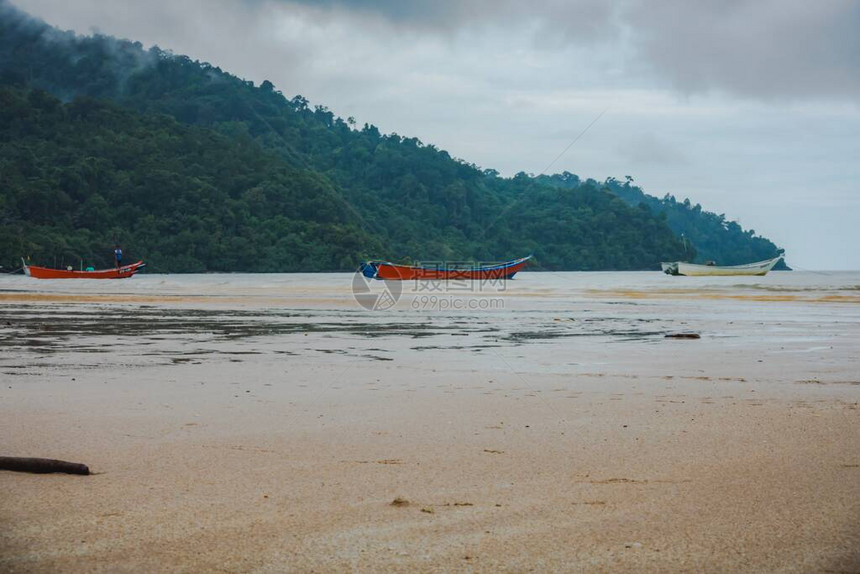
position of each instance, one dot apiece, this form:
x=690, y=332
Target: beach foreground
x=251, y=423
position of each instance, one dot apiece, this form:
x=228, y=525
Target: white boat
x=682, y=268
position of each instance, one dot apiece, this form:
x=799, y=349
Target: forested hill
x=79, y=177
x=312, y=191
x=713, y=236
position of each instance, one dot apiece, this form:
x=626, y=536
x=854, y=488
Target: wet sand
x=273, y=431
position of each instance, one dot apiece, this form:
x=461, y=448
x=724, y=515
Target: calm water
x=540, y=322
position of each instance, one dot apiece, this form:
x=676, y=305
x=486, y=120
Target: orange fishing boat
x=392, y=272
x=117, y=273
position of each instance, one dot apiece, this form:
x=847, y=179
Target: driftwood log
x=41, y=465
x=683, y=336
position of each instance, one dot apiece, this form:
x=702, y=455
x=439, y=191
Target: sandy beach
x=241, y=423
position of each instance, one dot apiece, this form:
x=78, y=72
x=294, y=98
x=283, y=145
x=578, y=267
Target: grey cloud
x=787, y=49
x=760, y=48
x=545, y=20
x=419, y=12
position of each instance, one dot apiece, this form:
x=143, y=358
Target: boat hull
x=119, y=273
x=692, y=270
x=391, y=272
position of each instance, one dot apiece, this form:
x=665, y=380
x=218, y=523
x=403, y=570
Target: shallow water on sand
x=544, y=322
x=336, y=289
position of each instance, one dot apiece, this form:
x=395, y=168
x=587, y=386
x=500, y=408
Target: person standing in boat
x=117, y=255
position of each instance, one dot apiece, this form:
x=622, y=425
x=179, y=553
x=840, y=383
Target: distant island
x=195, y=170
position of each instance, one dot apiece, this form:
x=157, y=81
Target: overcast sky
x=749, y=107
